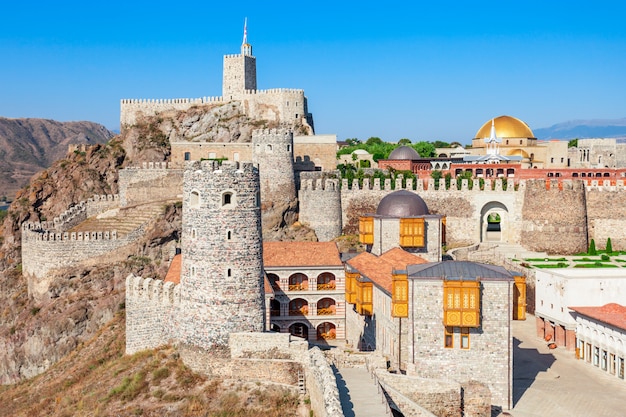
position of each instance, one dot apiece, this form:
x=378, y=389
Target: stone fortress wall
x=149, y=182
x=536, y=214
x=49, y=245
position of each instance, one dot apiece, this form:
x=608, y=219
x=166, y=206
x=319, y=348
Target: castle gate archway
x=494, y=222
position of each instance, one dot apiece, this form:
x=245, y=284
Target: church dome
x=402, y=203
x=404, y=153
x=506, y=127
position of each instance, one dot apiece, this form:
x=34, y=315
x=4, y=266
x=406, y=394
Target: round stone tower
x=222, y=253
x=273, y=155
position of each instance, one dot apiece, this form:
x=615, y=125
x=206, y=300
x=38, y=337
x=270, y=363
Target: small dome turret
x=402, y=203
x=404, y=153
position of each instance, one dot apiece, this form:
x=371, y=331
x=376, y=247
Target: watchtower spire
x=246, y=48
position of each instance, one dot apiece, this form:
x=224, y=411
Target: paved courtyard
x=553, y=383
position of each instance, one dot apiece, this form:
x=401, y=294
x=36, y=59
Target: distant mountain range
x=582, y=129
x=29, y=145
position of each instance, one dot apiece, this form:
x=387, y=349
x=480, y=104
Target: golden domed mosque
x=507, y=139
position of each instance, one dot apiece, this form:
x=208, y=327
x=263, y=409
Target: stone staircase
x=124, y=220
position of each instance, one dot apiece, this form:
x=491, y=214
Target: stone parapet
x=322, y=386
x=150, y=304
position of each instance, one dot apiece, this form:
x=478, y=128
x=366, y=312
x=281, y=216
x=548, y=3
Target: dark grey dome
x=402, y=203
x=404, y=153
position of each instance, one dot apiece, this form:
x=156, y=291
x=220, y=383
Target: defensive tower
x=222, y=259
x=273, y=155
x=239, y=71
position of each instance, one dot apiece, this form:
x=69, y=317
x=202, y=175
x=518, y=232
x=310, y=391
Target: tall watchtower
x=239, y=71
x=222, y=258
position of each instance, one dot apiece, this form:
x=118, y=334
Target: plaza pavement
x=554, y=383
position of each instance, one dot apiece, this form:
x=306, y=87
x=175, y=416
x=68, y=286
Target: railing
x=298, y=287
x=331, y=335
x=328, y=311
x=275, y=312
x=301, y=312
x=327, y=286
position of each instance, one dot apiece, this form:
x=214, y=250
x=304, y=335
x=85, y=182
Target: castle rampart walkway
x=359, y=394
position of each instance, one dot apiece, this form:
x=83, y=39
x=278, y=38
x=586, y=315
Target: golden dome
x=518, y=152
x=506, y=127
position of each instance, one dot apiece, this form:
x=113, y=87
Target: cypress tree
x=592, y=248
x=609, y=247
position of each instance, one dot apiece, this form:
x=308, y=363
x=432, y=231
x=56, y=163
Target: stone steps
x=123, y=220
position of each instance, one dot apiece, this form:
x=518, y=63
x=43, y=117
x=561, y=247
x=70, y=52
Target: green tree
x=353, y=141
x=404, y=141
x=374, y=141
x=592, y=248
x=436, y=175
x=572, y=143
x=609, y=246
x=424, y=149
x=441, y=144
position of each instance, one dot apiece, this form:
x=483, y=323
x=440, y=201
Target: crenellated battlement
x=46, y=236
x=151, y=165
x=428, y=185
x=198, y=100
x=606, y=185
x=275, y=91
x=152, y=290
x=279, y=133
x=76, y=214
x=320, y=184
x=217, y=167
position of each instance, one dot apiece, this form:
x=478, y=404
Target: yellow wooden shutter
x=366, y=230
x=519, y=298
x=351, y=278
x=399, y=295
x=461, y=303
x=412, y=233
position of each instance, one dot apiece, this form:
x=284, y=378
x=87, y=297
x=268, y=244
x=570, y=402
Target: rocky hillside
x=81, y=301
x=29, y=145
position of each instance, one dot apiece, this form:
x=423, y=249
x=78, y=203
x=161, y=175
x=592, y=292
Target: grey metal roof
x=464, y=270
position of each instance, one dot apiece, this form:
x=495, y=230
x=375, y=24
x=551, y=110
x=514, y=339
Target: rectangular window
x=461, y=303
x=620, y=368
x=612, y=363
x=581, y=349
x=603, y=360
x=449, y=337
x=366, y=230
x=596, y=356
x=588, y=352
x=187, y=156
x=465, y=338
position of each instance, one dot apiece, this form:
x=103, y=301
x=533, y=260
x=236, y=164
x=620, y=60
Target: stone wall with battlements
x=153, y=181
x=131, y=110
x=554, y=219
x=606, y=214
x=150, y=305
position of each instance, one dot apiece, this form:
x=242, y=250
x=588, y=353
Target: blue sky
x=423, y=71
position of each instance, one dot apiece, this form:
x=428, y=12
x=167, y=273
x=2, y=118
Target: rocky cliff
x=29, y=145
x=34, y=334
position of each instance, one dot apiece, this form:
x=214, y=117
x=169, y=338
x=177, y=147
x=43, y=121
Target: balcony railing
x=298, y=287
x=326, y=286
x=328, y=311
x=275, y=312
x=301, y=312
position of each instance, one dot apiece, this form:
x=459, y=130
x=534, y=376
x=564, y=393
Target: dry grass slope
x=97, y=379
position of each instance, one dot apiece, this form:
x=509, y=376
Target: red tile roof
x=379, y=269
x=173, y=273
x=612, y=314
x=286, y=254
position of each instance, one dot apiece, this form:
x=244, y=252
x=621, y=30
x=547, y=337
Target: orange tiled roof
x=277, y=254
x=379, y=269
x=613, y=314
x=267, y=286
x=173, y=273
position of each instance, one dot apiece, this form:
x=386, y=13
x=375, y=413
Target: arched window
x=194, y=199
x=229, y=235
x=326, y=281
x=298, y=282
x=268, y=147
x=229, y=273
x=228, y=199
